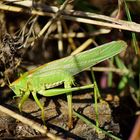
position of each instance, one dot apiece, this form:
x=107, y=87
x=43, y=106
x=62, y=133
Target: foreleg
x=23, y=99
x=40, y=106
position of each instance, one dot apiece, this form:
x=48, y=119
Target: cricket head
x=19, y=86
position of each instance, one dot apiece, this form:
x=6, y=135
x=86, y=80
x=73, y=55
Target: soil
x=118, y=120
x=56, y=117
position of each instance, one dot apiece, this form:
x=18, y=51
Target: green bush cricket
x=44, y=79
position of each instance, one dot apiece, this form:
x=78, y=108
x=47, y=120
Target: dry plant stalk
x=79, y=16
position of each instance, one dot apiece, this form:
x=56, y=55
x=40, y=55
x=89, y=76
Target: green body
x=61, y=71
